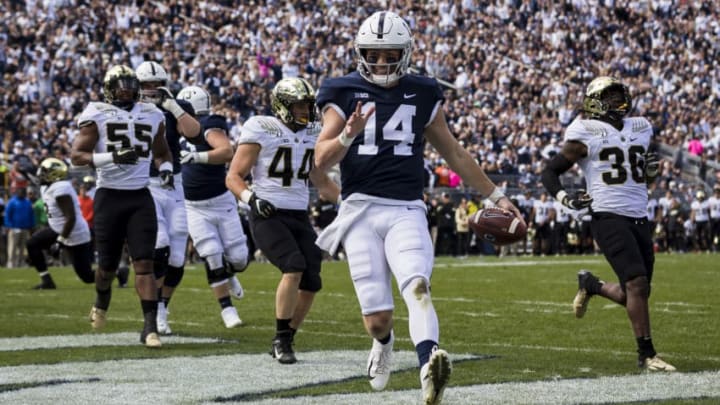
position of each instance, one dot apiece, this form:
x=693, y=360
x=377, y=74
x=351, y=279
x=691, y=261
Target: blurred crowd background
x=513, y=73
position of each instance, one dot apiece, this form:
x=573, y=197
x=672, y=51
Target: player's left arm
x=460, y=160
x=65, y=203
x=328, y=189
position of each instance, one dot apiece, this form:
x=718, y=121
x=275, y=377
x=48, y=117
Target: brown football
x=497, y=226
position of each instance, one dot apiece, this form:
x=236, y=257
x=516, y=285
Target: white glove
x=169, y=103
x=194, y=157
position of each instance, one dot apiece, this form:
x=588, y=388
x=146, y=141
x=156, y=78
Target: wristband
x=339, y=199
x=62, y=239
x=165, y=166
x=245, y=196
x=495, y=196
x=202, y=157
x=344, y=139
x=173, y=107
x=102, y=159
x=560, y=196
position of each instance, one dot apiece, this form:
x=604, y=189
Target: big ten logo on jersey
x=270, y=127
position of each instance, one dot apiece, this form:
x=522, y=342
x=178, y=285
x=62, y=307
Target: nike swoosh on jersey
x=407, y=96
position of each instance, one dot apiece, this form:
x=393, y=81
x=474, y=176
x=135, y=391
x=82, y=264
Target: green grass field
x=507, y=323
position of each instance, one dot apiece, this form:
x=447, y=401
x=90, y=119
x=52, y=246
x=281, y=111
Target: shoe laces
x=381, y=361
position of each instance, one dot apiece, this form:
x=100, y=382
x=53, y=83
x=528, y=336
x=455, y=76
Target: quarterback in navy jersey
x=613, y=151
x=375, y=124
x=213, y=221
x=171, y=241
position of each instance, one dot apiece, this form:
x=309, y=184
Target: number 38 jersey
x=118, y=128
x=615, y=165
x=281, y=172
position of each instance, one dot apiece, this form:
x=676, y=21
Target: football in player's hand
x=497, y=226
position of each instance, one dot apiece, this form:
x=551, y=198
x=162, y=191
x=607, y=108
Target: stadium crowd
x=513, y=73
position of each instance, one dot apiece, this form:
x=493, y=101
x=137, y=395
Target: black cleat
x=45, y=285
x=282, y=350
x=122, y=275
x=582, y=297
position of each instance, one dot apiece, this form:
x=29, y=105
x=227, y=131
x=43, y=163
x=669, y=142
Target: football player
x=375, y=124
x=278, y=152
x=67, y=227
x=715, y=217
x=172, y=234
x=213, y=221
x=613, y=152
x=121, y=137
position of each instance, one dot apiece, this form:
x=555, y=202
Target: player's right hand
x=125, y=156
x=260, y=207
x=580, y=201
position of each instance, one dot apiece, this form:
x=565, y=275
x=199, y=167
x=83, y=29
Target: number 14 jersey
x=614, y=167
x=119, y=128
x=281, y=172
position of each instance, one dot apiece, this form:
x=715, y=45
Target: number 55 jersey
x=119, y=128
x=614, y=167
x=283, y=168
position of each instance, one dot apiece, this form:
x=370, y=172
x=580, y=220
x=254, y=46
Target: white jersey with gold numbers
x=614, y=167
x=56, y=219
x=282, y=170
x=119, y=128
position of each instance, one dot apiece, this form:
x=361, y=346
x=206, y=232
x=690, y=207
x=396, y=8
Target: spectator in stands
x=39, y=210
x=462, y=229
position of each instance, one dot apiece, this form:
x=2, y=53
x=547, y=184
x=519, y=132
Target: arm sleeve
x=558, y=165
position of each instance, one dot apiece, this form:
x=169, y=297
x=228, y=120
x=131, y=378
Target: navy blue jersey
x=387, y=159
x=173, y=136
x=202, y=181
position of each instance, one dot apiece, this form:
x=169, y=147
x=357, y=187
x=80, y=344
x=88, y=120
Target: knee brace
x=215, y=269
x=174, y=276
x=160, y=261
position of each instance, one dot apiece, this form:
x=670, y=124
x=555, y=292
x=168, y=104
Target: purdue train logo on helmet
x=198, y=97
x=121, y=86
x=288, y=92
x=151, y=76
x=384, y=30
x=52, y=170
x=607, y=98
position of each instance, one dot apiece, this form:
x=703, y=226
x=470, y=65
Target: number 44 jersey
x=119, y=128
x=281, y=172
x=614, y=167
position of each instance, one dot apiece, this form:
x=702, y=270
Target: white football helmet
x=384, y=30
x=198, y=97
x=151, y=76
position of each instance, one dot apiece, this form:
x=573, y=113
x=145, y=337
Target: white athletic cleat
x=163, y=326
x=230, y=317
x=434, y=377
x=656, y=364
x=379, y=365
x=236, y=289
x=151, y=340
x=98, y=318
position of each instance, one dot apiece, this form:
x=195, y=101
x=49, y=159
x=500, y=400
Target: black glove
x=261, y=207
x=167, y=180
x=580, y=201
x=125, y=156
x=652, y=165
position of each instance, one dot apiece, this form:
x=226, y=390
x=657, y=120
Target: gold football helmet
x=288, y=92
x=607, y=98
x=52, y=170
x=121, y=86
